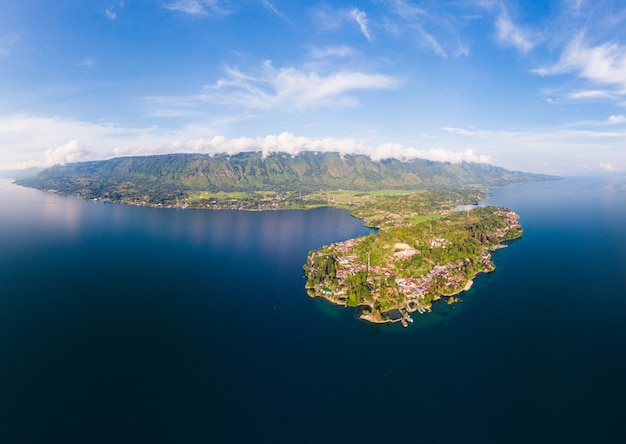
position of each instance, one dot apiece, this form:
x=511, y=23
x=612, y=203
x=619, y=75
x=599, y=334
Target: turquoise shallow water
x=143, y=325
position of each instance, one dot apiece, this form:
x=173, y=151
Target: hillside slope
x=162, y=178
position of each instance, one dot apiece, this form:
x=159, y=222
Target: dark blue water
x=126, y=324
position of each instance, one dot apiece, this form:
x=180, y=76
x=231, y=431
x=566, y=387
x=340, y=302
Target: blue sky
x=535, y=86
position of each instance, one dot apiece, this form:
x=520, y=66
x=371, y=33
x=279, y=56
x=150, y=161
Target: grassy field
x=416, y=220
x=380, y=207
x=199, y=196
x=348, y=197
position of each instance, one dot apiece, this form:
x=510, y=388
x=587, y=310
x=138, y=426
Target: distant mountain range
x=19, y=174
x=175, y=175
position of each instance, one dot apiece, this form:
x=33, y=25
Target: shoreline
x=410, y=292
x=406, y=308
x=388, y=294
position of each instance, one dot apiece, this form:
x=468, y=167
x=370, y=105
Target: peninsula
x=411, y=261
x=421, y=249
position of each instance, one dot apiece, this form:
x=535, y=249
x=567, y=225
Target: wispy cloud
x=361, y=18
x=511, y=34
x=332, y=51
x=270, y=7
x=328, y=18
x=583, y=147
x=574, y=5
x=617, y=119
x=283, y=88
x=607, y=166
x=198, y=7
x=88, y=62
x=111, y=11
x=432, y=42
x=465, y=132
x=603, y=64
x=435, y=29
x=507, y=32
x=7, y=44
x=406, y=10
x=593, y=94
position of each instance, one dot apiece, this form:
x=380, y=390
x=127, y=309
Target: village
x=385, y=294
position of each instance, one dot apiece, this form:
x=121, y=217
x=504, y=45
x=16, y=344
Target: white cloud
x=111, y=11
x=432, y=42
x=40, y=141
x=284, y=88
x=508, y=32
x=603, y=64
x=327, y=18
x=593, y=94
x=398, y=151
x=88, y=62
x=194, y=7
x=617, y=120
x=465, y=132
x=607, y=166
x=43, y=141
x=290, y=144
x=25, y=139
x=197, y=7
x=73, y=151
x=270, y=7
x=511, y=34
x=361, y=18
x=332, y=51
x=435, y=29
x=406, y=10
x=563, y=150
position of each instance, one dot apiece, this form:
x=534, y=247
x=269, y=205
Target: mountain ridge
x=171, y=176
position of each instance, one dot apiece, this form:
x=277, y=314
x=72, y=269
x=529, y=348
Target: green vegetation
x=416, y=220
x=410, y=261
x=197, y=180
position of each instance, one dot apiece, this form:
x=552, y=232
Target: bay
x=132, y=324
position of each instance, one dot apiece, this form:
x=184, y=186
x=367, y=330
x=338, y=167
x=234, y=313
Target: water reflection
x=266, y=234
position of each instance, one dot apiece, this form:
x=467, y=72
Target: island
x=423, y=246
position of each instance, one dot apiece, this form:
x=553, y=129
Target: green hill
x=165, y=178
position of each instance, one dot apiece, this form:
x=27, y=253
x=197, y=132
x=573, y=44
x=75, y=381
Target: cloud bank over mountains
x=49, y=141
x=75, y=151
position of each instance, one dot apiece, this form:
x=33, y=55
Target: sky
x=537, y=86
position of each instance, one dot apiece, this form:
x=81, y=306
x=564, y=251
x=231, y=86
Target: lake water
x=128, y=324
